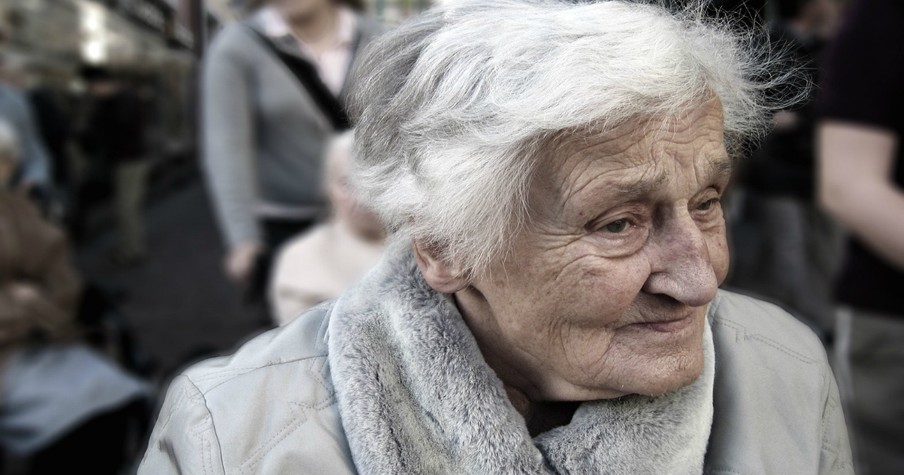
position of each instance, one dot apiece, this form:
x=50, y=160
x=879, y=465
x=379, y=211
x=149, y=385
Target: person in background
x=113, y=139
x=274, y=90
x=321, y=263
x=34, y=174
x=55, y=125
x=62, y=404
x=861, y=184
x=788, y=248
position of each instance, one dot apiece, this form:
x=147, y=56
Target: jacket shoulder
x=270, y=407
x=287, y=345
x=764, y=328
x=776, y=406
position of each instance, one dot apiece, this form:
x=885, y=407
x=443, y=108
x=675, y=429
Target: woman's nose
x=682, y=268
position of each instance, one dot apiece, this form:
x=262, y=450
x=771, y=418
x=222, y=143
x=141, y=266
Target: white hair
x=453, y=107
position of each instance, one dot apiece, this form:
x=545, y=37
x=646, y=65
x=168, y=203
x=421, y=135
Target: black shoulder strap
x=307, y=75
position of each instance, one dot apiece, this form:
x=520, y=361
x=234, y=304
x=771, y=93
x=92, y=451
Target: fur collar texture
x=416, y=396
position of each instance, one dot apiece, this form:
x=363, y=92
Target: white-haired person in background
x=551, y=174
x=321, y=263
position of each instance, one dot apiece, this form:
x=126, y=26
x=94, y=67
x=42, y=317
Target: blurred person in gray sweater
x=274, y=88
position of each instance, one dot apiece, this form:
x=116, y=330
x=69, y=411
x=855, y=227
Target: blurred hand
x=241, y=260
x=784, y=120
x=24, y=293
x=16, y=325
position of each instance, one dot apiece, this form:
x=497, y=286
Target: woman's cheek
x=719, y=256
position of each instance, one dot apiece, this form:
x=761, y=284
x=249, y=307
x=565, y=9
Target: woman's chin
x=651, y=378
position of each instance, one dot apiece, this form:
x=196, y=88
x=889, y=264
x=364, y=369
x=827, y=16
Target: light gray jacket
x=272, y=407
x=264, y=137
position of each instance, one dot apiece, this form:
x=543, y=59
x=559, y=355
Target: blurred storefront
x=152, y=43
x=388, y=12
x=156, y=44
x=394, y=11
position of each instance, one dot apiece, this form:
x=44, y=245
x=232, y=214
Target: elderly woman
x=552, y=174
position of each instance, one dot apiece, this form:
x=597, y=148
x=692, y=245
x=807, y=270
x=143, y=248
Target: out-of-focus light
x=92, y=20
x=94, y=51
x=94, y=44
x=92, y=23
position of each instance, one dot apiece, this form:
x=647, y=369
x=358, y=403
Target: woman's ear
x=441, y=275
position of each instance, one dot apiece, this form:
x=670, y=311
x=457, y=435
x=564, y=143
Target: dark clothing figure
x=788, y=248
x=865, y=84
x=54, y=126
x=115, y=129
x=862, y=105
x=784, y=164
x=114, y=141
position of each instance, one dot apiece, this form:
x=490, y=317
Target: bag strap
x=306, y=74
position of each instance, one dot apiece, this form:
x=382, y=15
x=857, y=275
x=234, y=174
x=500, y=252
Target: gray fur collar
x=416, y=396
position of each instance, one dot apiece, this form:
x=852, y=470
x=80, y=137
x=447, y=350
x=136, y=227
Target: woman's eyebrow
x=720, y=167
x=630, y=188
x=646, y=184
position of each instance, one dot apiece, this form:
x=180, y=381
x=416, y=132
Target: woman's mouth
x=669, y=324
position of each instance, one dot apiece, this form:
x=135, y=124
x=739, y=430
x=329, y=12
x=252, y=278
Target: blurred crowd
x=816, y=215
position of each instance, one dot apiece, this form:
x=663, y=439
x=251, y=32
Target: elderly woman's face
x=606, y=292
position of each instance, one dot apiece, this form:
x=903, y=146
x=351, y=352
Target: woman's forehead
x=695, y=125
x=640, y=151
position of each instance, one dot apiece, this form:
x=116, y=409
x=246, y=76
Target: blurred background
x=155, y=47
x=153, y=310
x=148, y=313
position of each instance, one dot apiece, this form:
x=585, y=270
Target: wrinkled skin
x=606, y=290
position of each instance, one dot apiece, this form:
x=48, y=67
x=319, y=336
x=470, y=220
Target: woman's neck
x=541, y=416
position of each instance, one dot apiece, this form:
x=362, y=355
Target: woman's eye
x=617, y=226
x=622, y=232
x=707, y=205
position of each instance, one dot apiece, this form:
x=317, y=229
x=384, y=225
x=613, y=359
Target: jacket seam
x=289, y=427
x=213, y=428
x=229, y=375
x=295, y=423
x=742, y=333
x=831, y=404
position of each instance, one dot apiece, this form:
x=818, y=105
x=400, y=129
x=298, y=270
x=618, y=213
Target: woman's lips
x=669, y=325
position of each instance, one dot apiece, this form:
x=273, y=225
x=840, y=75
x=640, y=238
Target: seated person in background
x=62, y=405
x=319, y=264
